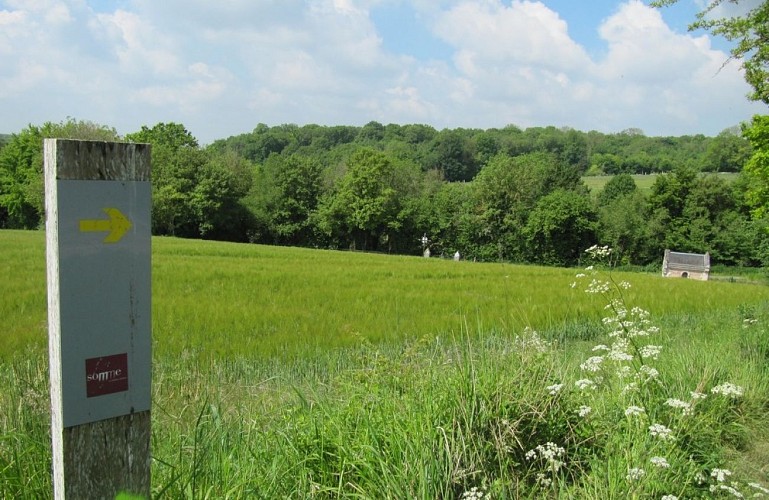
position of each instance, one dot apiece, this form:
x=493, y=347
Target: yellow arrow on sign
x=117, y=225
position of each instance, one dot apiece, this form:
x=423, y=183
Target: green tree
x=506, y=191
x=560, y=226
x=757, y=168
x=364, y=203
x=622, y=222
x=284, y=197
x=452, y=154
x=21, y=168
x=195, y=193
x=727, y=152
x=618, y=186
x=749, y=31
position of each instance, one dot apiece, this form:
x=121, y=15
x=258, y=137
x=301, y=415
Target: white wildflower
x=473, y=494
x=660, y=462
x=631, y=387
x=677, y=403
x=651, y=351
x=720, y=475
x=543, y=480
x=554, y=389
x=698, y=395
x=729, y=489
x=662, y=432
x=632, y=411
x=759, y=488
x=550, y=453
x=599, y=252
x=584, y=411
x=580, y=275
x=728, y=389
x=598, y=286
x=648, y=373
x=669, y=497
x=624, y=371
x=617, y=353
x=601, y=347
x=584, y=383
x=625, y=285
x=635, y=474
x=748, y=322
x=592, y=364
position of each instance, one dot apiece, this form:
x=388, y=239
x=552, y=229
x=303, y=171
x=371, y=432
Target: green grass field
x=297, y=373
x=221, y=299
x=644, y=182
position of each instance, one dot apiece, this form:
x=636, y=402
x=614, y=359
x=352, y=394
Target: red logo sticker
x=106, y=375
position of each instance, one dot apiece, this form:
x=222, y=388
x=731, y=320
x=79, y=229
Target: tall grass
x=467, y=403
x=219, y=300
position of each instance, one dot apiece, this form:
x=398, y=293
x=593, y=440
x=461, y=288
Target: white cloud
x=525, y=32
x=220, y=68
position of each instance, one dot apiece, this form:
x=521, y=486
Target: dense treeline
x=498, y=194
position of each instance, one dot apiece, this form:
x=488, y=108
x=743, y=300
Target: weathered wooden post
x=99, y=294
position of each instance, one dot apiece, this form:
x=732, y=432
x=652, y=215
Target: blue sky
x=220, y=68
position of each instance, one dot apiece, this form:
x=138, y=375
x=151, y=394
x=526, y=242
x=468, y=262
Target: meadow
x=297, y=373
x=644, y=182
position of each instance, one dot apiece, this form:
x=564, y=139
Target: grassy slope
x=409, y=418
x=223, y=299
x=644, y=182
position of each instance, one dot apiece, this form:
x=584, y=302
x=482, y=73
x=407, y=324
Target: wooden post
x=99, y=294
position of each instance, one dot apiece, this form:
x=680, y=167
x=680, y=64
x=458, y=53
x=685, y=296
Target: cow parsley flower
x=592, y=364
x=720, y=475
x=728, y=389
x=662, y=432
x=598, y=287
x=660, y=462
x=632, y=411
x=554, y=389
x=677, y=403
x=473, y=494
x=651, y=351
x=648, y=373
x=759, y=488
x=549, y=453
x=584, y=383
x=584, y=411
x=635, y=474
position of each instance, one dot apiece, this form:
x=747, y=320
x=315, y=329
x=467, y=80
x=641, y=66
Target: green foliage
x=292, y=185
x=195, y=194
x=618, y=186
x=369, y=205
x=560, y=223
x=757, y=168
x=285, y=196
x=21, y=169
x=750, y=31
x=622, y=224
x=507, y=190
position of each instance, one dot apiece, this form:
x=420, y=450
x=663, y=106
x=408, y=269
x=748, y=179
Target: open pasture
x=215, y=299
x=295, y=373
x=644, y=182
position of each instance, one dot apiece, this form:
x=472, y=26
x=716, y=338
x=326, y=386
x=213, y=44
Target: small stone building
x=686, y=265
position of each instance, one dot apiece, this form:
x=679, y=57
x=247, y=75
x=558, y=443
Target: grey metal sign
x=104, y=273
